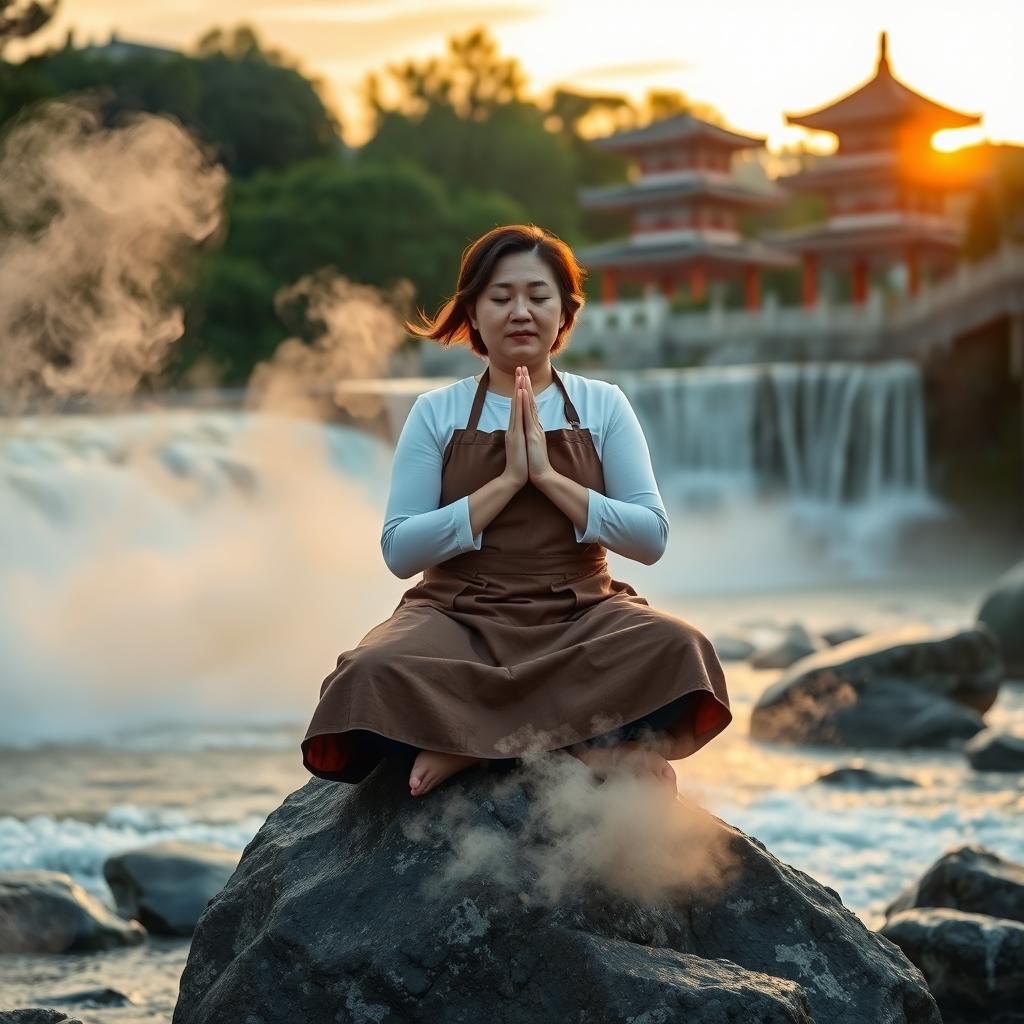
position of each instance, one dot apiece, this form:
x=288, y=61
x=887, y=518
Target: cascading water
x=832, y=432
x=785, y=474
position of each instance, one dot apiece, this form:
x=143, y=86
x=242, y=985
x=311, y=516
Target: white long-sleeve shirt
x=630, y=519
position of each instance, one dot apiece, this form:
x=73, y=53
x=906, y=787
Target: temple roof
x=883, y=98
x=872, y=232
x=678, y=128
x=687, y=185
x=680, y=252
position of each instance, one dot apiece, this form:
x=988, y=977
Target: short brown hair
x=451, y=325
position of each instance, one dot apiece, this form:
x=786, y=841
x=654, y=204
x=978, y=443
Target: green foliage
x=373, y=223
x=462, y=119
x=260, y=114
x=245, y=103
x=997, y=212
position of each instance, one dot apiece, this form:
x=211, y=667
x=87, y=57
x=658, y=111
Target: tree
x=375, y=224
x=253, y=108
x=19, y=18
x=462, y=118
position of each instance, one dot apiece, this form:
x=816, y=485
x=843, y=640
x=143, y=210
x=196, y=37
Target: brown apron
x=525, y=645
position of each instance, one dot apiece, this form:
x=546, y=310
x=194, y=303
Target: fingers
x=514, y=418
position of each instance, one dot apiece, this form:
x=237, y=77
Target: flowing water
x=177, y=584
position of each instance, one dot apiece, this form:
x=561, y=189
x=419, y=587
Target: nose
x=519, y=308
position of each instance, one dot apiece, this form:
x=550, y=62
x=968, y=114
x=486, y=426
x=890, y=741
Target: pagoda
x=891, y=197
x=684, y=202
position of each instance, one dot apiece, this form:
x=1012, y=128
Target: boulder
x=167, y=885
x=994, y=751
x=968, y=878
x=1002, y=612
x=974, y=963
x=527, y=897
x=909, y=687
x=48, y=912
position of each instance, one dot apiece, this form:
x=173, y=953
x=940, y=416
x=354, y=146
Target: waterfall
x=829, y=433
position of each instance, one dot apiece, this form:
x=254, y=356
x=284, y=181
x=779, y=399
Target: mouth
x=523, y=334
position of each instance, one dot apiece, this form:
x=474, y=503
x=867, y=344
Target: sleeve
x=630, y=519
x=417, y=533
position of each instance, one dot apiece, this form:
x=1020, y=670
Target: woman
x=516, y=639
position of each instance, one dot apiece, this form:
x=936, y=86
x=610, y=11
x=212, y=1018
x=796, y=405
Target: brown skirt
x=512, y=663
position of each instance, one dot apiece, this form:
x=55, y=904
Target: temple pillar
x=752, y=287
x=860, y=281
x=609, y=285
x=668, y=288
x=913, y=271
x=810, y=279
x=698, y=282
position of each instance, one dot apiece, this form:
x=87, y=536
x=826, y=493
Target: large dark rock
x=167, y=885
x=535, y=896
x=910, y=687
x=49, y=912
x=969, y=878
x=1002, y=611
x=974, y=963
x=993, y=751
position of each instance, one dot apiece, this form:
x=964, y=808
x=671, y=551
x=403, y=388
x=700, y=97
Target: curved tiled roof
x=883, y=98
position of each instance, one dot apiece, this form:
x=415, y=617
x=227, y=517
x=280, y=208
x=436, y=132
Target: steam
x=102, y=223
x=357, y=328
x=625, y=834
x=174, y=563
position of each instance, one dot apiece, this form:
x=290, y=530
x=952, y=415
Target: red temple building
x=684, y=202
x=891, y=197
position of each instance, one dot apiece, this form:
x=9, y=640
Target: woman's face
x=519, y=313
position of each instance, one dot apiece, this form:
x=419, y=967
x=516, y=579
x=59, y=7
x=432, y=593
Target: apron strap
x=481, y=392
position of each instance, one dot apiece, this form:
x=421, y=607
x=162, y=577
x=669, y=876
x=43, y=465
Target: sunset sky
x=752, y=59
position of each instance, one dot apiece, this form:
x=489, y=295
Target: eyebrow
x=530, y=284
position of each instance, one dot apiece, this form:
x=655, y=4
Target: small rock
x=968, y=878
x=841, y=635
x=1002, y=612
x=796, y=644
x=48, y=912
x=36, y=1015
x=973, y=963
x=993, y=751
x=91, y=997
x=167, y=885
x=864, y=778
x=733, y=648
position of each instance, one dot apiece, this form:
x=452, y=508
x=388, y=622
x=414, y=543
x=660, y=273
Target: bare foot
x=630, y=756
x=432, y=767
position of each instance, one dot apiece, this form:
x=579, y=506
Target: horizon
x=341, y=41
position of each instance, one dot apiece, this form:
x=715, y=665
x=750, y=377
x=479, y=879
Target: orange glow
x=743, y=58
x=952, y=139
